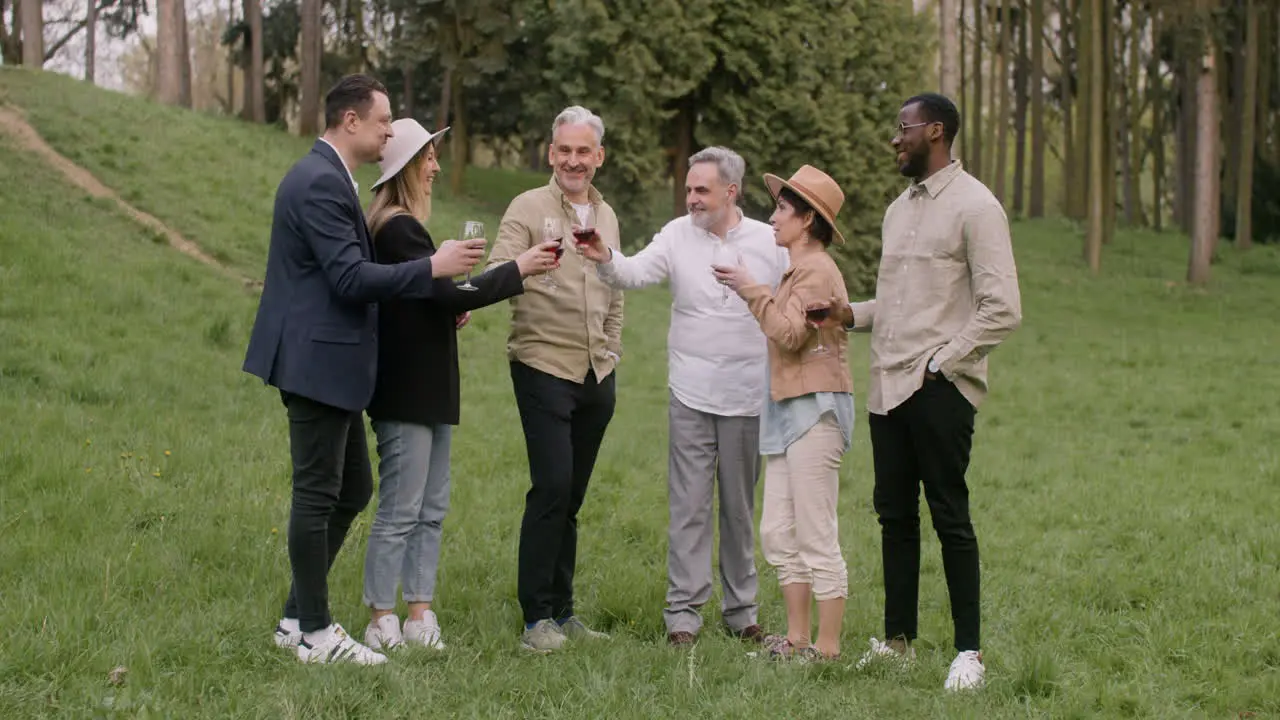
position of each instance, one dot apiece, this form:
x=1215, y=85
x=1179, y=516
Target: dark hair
x=819, y=229
x=939, y=108
x=353, y=92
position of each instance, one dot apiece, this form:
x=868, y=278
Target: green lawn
x=1124, y=483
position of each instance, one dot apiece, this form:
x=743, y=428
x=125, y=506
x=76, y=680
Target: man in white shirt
x=718, y=378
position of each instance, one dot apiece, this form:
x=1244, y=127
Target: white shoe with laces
x=288, y=634
x=424, y=632
x=333, y=645
x=967, y=672
x=384, y=634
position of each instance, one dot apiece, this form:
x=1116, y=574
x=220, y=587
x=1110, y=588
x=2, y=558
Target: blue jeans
x=413, y=497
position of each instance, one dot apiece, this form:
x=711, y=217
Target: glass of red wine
x=816, y=316
x=553, y=231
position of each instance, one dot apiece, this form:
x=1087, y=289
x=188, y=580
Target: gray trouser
x=697, y=441
x=413, y=497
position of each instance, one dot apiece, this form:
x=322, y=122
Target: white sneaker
x=424, y=632
x=288, y=634
x=967, y=672
x=333, y=645
x=884, y=652
x=385, y=634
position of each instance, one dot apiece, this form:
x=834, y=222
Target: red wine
x=559, y=251
x=817, y=315
x=583, y=236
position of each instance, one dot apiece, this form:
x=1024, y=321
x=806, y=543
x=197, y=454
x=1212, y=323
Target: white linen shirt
x=717, y=355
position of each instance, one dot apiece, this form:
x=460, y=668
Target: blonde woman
x=415, y=402
x=807, y=422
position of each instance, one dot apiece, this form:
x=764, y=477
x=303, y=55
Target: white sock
x=290, y=625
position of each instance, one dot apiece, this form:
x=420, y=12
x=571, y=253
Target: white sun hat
x=409, y=138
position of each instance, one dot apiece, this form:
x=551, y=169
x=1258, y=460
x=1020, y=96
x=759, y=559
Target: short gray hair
x=578, y=115
x=729, y=163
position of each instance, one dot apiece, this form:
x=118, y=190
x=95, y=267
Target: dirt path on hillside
x=13, y=124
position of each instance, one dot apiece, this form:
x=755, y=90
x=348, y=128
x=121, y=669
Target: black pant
x=564, y=424
x=332, y=483
x=927, y=438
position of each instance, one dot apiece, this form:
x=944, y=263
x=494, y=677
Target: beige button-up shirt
x=577, y=326
x=947, y=289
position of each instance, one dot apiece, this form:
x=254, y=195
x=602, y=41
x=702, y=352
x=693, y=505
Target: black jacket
x=314, y=332
x=418, y=378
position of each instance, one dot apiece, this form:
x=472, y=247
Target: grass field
x=1124, y=482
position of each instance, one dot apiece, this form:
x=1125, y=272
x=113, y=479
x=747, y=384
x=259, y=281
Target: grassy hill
x=1124, y=480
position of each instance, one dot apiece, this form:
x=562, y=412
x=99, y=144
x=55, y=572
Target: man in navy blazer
x=315, y=340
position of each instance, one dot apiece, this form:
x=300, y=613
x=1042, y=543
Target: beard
x=916, y=165
x=706, y=219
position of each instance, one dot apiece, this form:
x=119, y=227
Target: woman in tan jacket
x=807, y=421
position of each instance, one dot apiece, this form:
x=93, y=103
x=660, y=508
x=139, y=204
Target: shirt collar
x=936, y=182
x=593, y=196
x=351, y=177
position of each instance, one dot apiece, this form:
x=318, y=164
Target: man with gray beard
x=718, y=377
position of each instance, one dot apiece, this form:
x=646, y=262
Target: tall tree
x=311, y=50
x=254, y=109
x=975, y=124
x=8, y=40
x=1001, y=124
x=1078, y=205
x=1207, y=199
x=1131, y=131
x=1096, y=136
x=1158, y=99
x=1069, y=67
x=91, y=40
x=1248, y=104
x=1036, y=85
x=1021, y=96
x=32, y=33
x=950, y=58
x=169, y=49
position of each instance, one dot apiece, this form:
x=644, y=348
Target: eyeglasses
x=902, y=129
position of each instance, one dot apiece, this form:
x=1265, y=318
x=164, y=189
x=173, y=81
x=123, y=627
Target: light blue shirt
x=782, y=423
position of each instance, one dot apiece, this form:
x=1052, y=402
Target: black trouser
x=332, y=483
x=927, y=438
x=564, y=423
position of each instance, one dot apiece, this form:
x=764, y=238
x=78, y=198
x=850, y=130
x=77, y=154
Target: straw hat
x=409, y=138
x=816, y=188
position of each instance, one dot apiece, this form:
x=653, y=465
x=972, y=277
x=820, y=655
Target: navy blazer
x=315, y=333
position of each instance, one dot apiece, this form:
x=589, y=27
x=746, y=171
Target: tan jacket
x=794, y=368
x=576, y=326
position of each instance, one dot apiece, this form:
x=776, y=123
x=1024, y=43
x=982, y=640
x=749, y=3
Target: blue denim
x=413, y=497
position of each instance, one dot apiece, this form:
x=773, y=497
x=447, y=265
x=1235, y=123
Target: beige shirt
x=947, y=289
x=577, y=326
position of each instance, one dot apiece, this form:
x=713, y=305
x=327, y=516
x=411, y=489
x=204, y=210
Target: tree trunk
x=168, y=53
x=1133, y=214
x=91, y=41
x=32, y=33
x=1002, y=114
x=1267, y=56
x=184, y=55
x=1021, y=91
x=1155, y=91
x=1070, y=66
x=231, y=64
x=949, y=51
x=1206, y=170
x=409, y=105
x=1110, y=90
x=996, y=124
x=975, y=127
x=1231, y=80
x=1247, y=105
x=8, y=54
x=460, y=143
x=966, y=108
x=1036, y=38
x=255, y=106
x=1078, y=207
x=311, y=52
x=1096, y=136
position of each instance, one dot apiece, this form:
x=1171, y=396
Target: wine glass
x=583, y=234
x=816, y=315
x=471, y=230
x=553, y=231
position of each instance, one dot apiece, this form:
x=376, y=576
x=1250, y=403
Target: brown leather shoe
x=751, y=633
x=680, y=637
